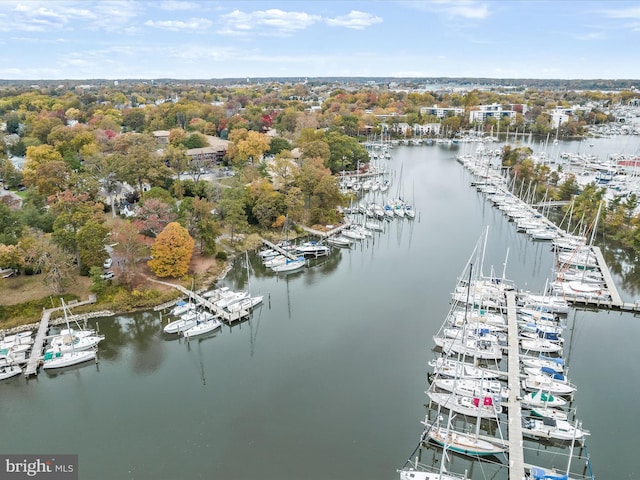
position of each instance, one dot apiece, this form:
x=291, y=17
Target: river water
x=327, y=379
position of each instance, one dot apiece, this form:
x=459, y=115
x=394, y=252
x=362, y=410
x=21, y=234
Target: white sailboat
x=58, y=359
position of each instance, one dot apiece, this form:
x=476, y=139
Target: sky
x=206, y=39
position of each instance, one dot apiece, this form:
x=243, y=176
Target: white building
x=495, y=110
x=441, y=112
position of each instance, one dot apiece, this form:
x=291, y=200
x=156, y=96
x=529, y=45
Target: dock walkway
x=516, y=453
x=228, y=317
x=33, y=362
x=287, y=253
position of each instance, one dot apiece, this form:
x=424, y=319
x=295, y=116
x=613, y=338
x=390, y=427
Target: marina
x=334, y=348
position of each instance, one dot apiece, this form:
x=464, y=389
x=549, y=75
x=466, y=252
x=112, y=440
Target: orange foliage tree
x=171, y=251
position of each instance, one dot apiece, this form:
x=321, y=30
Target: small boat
x=453, y=368
x=339, y=241
x=472, y=387
x=206, y=325
x=181, y=308
x=185, y=322
x=231, y=297
x=464, y=443
x=9, y=371
x=245, y=304
x=471, y=347
x=272, y=262
x=53, y=360
x=485, y=407
x=541, y=361
x=548, y=384
x=548, y=412
x=290, y=265
x=312, y=248
x=539, y=473
x=542, y=399
x=73, y=342
x=550, y=428
x=540, y=345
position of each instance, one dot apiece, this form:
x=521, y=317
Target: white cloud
x=471, y=9
x=590, y=36
x=266, y=22
x=354, y=19
x=177, y=5
x=177, y=25
x=629, y=13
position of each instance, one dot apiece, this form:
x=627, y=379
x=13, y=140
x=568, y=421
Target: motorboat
x=9, y=371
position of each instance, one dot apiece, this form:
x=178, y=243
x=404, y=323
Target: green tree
x=278, y=144
x=232, y=208
x=346, y=151
x=134, y=120
x=91, y=239
x=10, y=225
x=72, y=212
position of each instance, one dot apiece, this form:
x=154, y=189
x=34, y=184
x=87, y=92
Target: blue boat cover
x=559, y=361
x=541, y=474
x=551, y=372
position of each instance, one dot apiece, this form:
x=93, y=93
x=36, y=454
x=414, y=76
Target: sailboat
x=463, y=443
x=58, y=359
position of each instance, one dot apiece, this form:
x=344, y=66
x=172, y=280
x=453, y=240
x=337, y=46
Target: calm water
x=327, y=380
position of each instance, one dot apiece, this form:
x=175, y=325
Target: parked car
x=107, y=275
x=107, y=263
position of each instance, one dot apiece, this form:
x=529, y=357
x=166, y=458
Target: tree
x=140, y=161
x=345, y=151
x=134, y=119
x=73, y=212
x=247, y=146
x=42, y=255
x=232, y=208
x=198, y=217
x=10, y=226
x=278, y=144
x=91, y=238
x=11, y=256
x=153, y=216
x=130, y=247
x=37, y=157
x=172, y=251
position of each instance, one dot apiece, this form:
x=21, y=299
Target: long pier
x=516, y=453
x=33, y=362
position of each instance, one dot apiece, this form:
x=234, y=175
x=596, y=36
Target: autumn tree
x=140, y=161
x=44, y=256
x=130, y=247
x=247, y=146
x=11, y=256
x=172, y=251
x=153, y=216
